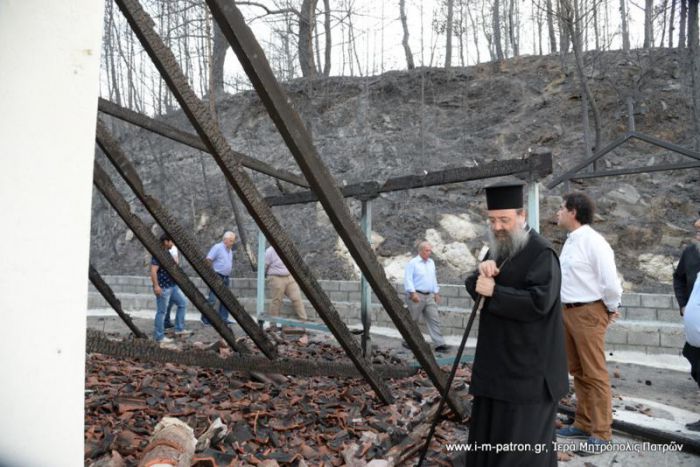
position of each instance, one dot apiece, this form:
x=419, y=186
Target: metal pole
x=260, y=296
x=533, y=205
x=365, y=296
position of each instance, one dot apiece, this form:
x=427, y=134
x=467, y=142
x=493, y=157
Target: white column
x=49, y=81
x=533, y=205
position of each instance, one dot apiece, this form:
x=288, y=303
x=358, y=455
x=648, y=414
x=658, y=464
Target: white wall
x=49, y=66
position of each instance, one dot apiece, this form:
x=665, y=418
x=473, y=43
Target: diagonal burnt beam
x=97, y=342
x=185, y=243
x=298, y=139
x=637, y=170
x=208, y=130
x=569, y=174
x=536, y=165
x=105, y=186
x=113, y=301
x=192, y=140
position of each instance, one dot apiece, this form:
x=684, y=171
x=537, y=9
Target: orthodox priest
x=519, y=371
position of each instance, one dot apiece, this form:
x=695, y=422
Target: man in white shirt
x=590, y=296
x=422, y=293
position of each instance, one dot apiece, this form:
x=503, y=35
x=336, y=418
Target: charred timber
x=191, y=140
x=98, y=342
x=537, y=166
x=105, y=186
x=108, y=294
x=185, y=243
x=210, y=133
x=322, y=183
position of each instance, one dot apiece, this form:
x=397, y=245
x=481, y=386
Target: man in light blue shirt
x=422, y=293
x=220, y=258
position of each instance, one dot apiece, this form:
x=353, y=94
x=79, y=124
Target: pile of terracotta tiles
x=288, y=421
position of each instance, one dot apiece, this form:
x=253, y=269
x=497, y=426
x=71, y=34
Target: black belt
x=223, y=276
x=423, y=293
x=580, y=304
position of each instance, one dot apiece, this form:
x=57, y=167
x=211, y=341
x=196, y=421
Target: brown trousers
x=585, y=328
x=281, y=286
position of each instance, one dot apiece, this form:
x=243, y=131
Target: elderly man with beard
x=519, y=371
x=686, y=285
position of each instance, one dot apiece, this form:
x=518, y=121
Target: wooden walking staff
x=478, y=305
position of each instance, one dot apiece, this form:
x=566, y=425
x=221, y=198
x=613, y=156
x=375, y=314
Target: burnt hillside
x=403, y=123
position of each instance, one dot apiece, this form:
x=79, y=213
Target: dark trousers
x=523, y=433
x=693, y=356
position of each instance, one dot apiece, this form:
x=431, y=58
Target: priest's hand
x=485, y=286
x=488, y=268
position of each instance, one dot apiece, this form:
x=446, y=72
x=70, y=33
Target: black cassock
x=519, y=371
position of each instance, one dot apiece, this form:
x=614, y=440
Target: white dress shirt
x=691, y=316
x=588, y=271
x=420, y=275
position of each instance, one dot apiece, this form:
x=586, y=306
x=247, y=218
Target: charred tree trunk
x=496, y=20
x=694, y=66
x=648, y=24
x=683, y=21
x=671, y=24
x=625, y=27
x=307, y=22
x=448, y=32
x=550, y=28
x=218, y=59
x=327, y=28
x=404, y=24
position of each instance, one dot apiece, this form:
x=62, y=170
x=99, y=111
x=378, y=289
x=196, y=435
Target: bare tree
x=683, y=21
x=550, y=28
x=404, y=41
x=648, y=23
x=671, y=24
x=327, y=30
x=572, y=22
x=624, y=23
x=448, y=32
x=496, y=20
x=694, y=66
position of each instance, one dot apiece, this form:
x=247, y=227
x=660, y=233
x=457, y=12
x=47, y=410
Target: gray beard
x=500, y=249
x=696, y=243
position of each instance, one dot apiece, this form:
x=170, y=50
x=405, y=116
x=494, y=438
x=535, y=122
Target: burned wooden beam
x=106, y=291
x=298, y=139
x=97, y=342
x=536, y=165
x=209, y=131
x=665, y=144
x=569, y=174
x=191, y=140
x=637, y=170
x=185, y=243
x=105, y=186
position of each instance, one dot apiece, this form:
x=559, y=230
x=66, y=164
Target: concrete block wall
x=650, y=323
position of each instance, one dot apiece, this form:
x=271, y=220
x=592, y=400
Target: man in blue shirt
x=422, y=293
x=220, y=258
x=164, y=288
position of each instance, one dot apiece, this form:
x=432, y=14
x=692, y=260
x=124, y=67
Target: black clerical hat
x=504, y=196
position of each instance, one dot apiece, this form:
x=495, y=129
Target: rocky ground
x=403, y=123
x=327, y=421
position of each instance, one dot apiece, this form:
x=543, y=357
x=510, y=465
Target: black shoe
x=405, y=345
x=695, y=426
x=442, y=348
x=168, y=325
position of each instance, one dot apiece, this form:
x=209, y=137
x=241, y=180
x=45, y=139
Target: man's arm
x=603, y=259
x=536, y=299
x=680, y=278
x=154, y=279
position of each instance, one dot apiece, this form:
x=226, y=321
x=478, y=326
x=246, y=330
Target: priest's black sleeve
x=470, y=284
x=536, y=299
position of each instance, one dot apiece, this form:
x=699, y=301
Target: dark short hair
x=585, y=208
x=165, y=237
